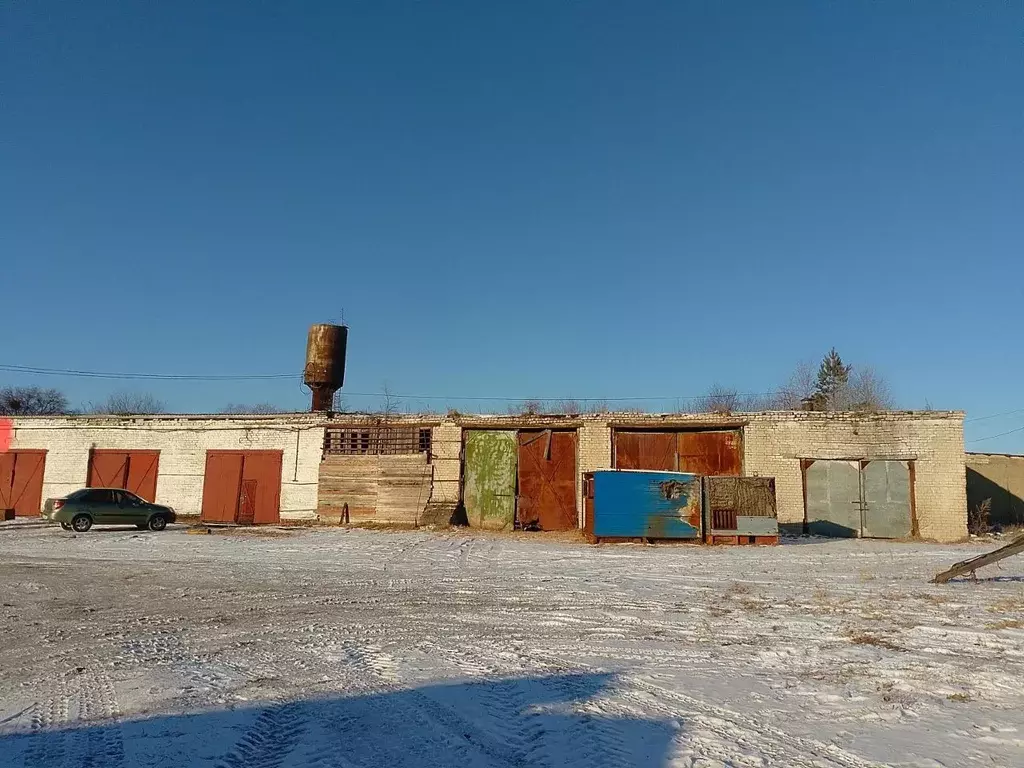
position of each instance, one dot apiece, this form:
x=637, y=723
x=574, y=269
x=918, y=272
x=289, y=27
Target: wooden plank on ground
x=966, y=567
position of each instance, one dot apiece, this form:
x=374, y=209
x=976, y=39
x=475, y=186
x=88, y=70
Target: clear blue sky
x=588, y=199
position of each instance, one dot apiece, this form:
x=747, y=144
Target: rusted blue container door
x=653, y=505
x=489, y=486
x=887, y=512
x=833, y=498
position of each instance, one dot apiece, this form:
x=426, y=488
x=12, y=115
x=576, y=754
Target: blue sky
x=550, y=199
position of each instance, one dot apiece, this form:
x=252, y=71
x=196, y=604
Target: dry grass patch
x=865, y=638
x=1006, y=624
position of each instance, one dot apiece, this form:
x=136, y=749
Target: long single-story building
x=886, y=475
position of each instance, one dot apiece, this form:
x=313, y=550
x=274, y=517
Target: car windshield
x=130, y=498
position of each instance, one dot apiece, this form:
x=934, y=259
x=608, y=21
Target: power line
x=994, y=415
x=992, y=437
x=147, y=376
x=247, y=377
x=545, y=399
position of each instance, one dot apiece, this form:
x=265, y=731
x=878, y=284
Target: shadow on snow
x=506, y=722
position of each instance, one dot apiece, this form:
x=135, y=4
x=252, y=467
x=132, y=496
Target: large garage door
x=833, y=498
x=489, y=485
x=859, y=498
x=703, y=452
x=242, y=487
x=21, y=482
x=135, y=471
x=547, y=480
x=887, y=505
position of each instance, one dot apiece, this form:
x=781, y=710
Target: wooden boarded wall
x=386, y=489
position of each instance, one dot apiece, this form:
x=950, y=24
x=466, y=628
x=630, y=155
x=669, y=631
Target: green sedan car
x=106, y=506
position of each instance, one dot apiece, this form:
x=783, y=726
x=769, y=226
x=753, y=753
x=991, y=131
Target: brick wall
x=999, y=479
x=182, y=443
x=594, y=451
x=774, y=444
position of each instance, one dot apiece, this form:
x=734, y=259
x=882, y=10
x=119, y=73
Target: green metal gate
x=489, y=486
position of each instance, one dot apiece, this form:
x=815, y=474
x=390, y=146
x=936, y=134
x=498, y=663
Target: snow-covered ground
x=326, y=647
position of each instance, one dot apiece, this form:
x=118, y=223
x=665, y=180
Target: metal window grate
x=377, y=440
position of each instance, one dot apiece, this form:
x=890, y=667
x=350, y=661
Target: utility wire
x=159, y=376
x=246, y=377
x=992, y=437
x=994, y=415
x=544, y=399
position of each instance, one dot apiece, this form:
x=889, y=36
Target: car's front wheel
x=81, y=523
x=65, y=526
x=157, y=523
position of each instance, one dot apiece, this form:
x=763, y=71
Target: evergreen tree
x=833, y=379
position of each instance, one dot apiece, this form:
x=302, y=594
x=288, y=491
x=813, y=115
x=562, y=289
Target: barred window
x=377, y=440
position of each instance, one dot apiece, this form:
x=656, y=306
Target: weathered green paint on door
x=833, y=498
x=887, y=500
x=489, y=488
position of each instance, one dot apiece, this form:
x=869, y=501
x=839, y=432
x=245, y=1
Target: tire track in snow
x=588, y=733
x=47, y=745
x=732, y=727
x=640, y=698
x=99, y=742
x=76, y=725
x=360, y=728
x=269, y=740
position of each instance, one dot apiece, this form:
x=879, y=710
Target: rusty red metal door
x=143, y=468
x=21, y=481
x=247, y=503
x=7, y=462
x=242, y=487
x=221, y=486
x=263, y=470
x=710, y=452
x=107, y=469
x=547, y=480
x=135, y=471
x=646, y=450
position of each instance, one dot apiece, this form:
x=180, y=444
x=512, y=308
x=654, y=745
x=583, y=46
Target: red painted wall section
x=6, y=433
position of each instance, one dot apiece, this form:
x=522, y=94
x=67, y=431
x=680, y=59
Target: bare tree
x=866, y=391
x=256, y=409
x=718, y=399
x=32, y=401
x=527, y=408
x=129, y=404
x=798, y=389
x=834, y=386
x=568, y=407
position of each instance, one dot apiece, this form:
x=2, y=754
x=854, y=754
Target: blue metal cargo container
x=643, y=504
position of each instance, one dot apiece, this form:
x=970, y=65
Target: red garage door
x=242, y=487
x=21, y=482
x=135, y=471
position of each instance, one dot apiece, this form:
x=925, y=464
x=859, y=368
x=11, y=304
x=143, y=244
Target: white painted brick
x=182, y=443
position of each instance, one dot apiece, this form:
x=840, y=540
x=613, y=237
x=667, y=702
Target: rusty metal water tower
x=325, y=363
